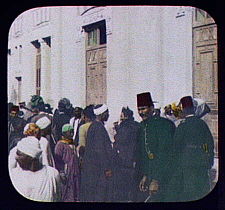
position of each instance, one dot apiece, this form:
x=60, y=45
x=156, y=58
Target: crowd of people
x=69, y=156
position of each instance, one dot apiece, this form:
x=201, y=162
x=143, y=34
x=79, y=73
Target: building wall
x=31, y=25
x=151, y=52
x=148, y=49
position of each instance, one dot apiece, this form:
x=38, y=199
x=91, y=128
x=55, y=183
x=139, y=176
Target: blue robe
x=95, y=185
x=125, y=146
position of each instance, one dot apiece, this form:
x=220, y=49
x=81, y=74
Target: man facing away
x=156, y=141
x=37, y=109
x=30, y=177
x=96, y=173
x=46, y=142
x=61, y=116
x=67, y=164
x=125, y=160
x=194, y=156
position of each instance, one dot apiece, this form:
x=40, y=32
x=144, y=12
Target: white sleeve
x=12, y=159
x=71, y=121
x=44, y=148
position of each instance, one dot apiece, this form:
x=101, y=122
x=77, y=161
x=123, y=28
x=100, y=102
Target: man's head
x=88, y=113
x=77, y=112
x=102, y=113
x=187, y=105
x=64, y=104
x=14, y=111
x=68, y=131
x=31, y=129
x=28, y=152
x=44, y=123
x=126, y=113
x=37, y=103
x=145, y=105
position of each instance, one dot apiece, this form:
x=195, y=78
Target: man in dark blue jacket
x=125, y=146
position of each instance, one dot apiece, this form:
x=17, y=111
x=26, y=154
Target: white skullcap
x=100, y=110
x=29, y=146
x=43, y=122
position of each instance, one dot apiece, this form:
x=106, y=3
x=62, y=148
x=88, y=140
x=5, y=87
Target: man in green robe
x=193, y=156
x=156, y=142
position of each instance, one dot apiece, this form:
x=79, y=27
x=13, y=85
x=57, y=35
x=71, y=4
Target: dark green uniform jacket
x=194, y=155
x=156, y=142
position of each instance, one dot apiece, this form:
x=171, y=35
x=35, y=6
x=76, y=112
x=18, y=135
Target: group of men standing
x=175, y=161
x=150, y=161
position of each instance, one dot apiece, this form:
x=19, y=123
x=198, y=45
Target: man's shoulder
x=162, y=120
x=195, y=122
x=52, y=171
x=59, y=145
x=134, y=124
x=43, y=141
x=13, y=151
x=85, y=125
x=96, y=124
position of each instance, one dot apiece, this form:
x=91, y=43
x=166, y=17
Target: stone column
x=45, y=70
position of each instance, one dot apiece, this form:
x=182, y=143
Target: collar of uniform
x=152, y=118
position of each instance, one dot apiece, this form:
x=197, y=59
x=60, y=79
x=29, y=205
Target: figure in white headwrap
x=30, y=177
x=44, y=124
x=33, y=131
x=96, y=173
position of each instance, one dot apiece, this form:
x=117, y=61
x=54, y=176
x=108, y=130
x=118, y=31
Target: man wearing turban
x=30, y=177
x=66, y=162
x=97, y=172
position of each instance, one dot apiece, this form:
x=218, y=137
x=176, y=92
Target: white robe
x=47, y=158
x=42, y=185
x=74, y=123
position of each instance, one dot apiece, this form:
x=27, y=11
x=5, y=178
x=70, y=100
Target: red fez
x=144, y=99
x=15, y=108
x=186, y=102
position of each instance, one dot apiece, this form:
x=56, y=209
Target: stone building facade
x=109, y=54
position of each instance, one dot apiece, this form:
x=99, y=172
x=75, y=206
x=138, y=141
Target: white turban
x=100, y=110
x=43, y=122
x=29, y=146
